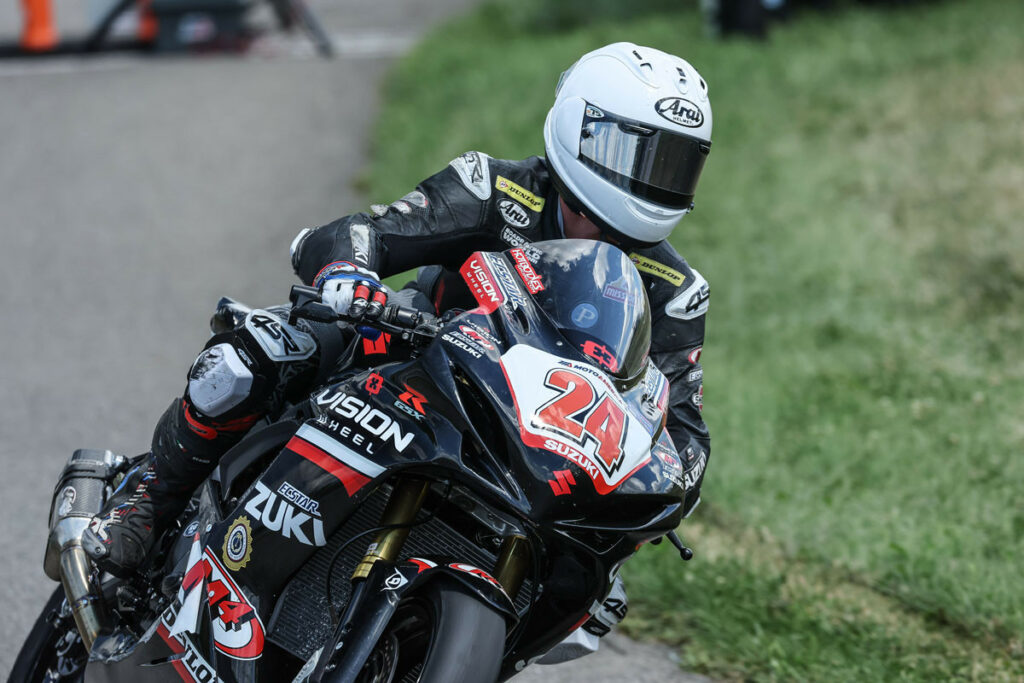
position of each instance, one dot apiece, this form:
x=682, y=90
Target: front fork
x=372, y=601
x=404, y=504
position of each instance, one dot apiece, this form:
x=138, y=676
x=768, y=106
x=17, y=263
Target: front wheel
x=53, y=651
x=440, y=634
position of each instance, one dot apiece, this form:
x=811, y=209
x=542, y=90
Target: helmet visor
x=649, y=163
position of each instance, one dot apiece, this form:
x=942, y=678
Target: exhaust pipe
x=81, y=491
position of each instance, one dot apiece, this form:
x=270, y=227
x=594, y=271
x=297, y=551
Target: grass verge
x=859, y=221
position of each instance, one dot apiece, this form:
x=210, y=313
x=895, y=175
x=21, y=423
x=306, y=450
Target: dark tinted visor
x=649, y=163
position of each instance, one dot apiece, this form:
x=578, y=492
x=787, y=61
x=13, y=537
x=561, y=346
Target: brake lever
x=407, y=324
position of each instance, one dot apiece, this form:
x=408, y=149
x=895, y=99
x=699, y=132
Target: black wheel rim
x=401, y=651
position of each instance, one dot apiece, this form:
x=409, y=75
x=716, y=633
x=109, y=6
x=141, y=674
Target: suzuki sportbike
x=450, y=514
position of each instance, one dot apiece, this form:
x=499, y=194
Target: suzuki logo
x=562, y=483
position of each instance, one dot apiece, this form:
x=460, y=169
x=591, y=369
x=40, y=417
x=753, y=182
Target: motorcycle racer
x=625, y=143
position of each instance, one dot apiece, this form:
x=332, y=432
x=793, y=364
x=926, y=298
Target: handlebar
x=408, y=324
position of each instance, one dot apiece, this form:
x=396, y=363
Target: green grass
x=859, y=220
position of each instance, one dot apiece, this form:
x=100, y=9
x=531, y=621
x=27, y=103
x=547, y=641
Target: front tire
x=440, y=634
x=53, y=651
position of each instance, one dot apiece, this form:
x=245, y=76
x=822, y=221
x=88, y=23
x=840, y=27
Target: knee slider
x=218, y=380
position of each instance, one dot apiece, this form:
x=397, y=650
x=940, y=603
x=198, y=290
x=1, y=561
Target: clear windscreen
x=594, y=295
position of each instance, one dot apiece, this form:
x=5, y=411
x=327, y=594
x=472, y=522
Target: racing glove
x=354, y=292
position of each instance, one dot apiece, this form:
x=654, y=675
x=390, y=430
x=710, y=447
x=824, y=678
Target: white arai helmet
x=626, y=139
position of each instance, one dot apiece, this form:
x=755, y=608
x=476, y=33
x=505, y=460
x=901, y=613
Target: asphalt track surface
x=134, y=192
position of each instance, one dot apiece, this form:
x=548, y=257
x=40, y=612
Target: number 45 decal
x=577, y=413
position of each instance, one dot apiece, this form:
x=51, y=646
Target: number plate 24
x=573, y=410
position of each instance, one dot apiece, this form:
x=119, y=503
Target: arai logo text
x=513, y=213
x=681, y=111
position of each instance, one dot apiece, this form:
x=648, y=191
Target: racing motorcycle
x=451, y=514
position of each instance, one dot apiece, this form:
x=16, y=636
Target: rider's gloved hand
x=353, y=291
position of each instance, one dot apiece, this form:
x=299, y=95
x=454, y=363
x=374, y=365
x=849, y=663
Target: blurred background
x=859, y=220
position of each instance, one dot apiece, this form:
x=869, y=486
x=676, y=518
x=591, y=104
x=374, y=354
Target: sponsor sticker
x=477, y=336
x=413, y=399
x=477, y=274
x=359, y=423
x=530, y=278
x=237, y=548
x=374, y=383
x=601, y=354
x=652, y=267
x=190, y=665
x=507, y=282
x=694, y=355
x=520, y=193
x=681, y=111
x=513, y=213
x=288, y=512
x=615, y=293
x=395, y=581
x=584, y=315
x=693, y=475
x=67, y=500
x=477, y=572
x=461, y=341
x=698, y=398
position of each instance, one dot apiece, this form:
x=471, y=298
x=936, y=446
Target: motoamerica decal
x=574, y=411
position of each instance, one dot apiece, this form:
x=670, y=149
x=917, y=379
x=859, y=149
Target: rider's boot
x=157, y=490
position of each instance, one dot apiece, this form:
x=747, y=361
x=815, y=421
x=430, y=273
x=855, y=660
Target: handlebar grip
x=301, y=294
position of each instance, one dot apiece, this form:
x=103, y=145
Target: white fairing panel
x=572, y=409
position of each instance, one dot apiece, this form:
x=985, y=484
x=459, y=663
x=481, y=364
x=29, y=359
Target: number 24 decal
x=578, y=414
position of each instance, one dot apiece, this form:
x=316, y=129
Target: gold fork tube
x=513, y=563
x=404, y=504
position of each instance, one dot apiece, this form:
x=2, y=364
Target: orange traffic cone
x=40, y=33
x=147, y=22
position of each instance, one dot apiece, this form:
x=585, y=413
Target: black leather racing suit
x=253, y=367
x=481, y=204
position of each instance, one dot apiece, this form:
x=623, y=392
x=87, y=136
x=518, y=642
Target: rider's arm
x=436, y=223
x=677, y=337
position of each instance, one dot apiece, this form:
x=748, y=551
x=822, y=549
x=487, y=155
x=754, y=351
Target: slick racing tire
x=440, y=634
x=53, y=651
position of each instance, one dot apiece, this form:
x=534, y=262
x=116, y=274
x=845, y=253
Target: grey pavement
x=134, y=192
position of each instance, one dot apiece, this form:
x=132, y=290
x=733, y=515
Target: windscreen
x=594, y=295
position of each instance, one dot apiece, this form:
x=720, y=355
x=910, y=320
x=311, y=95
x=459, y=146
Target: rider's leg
x=240, y=377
